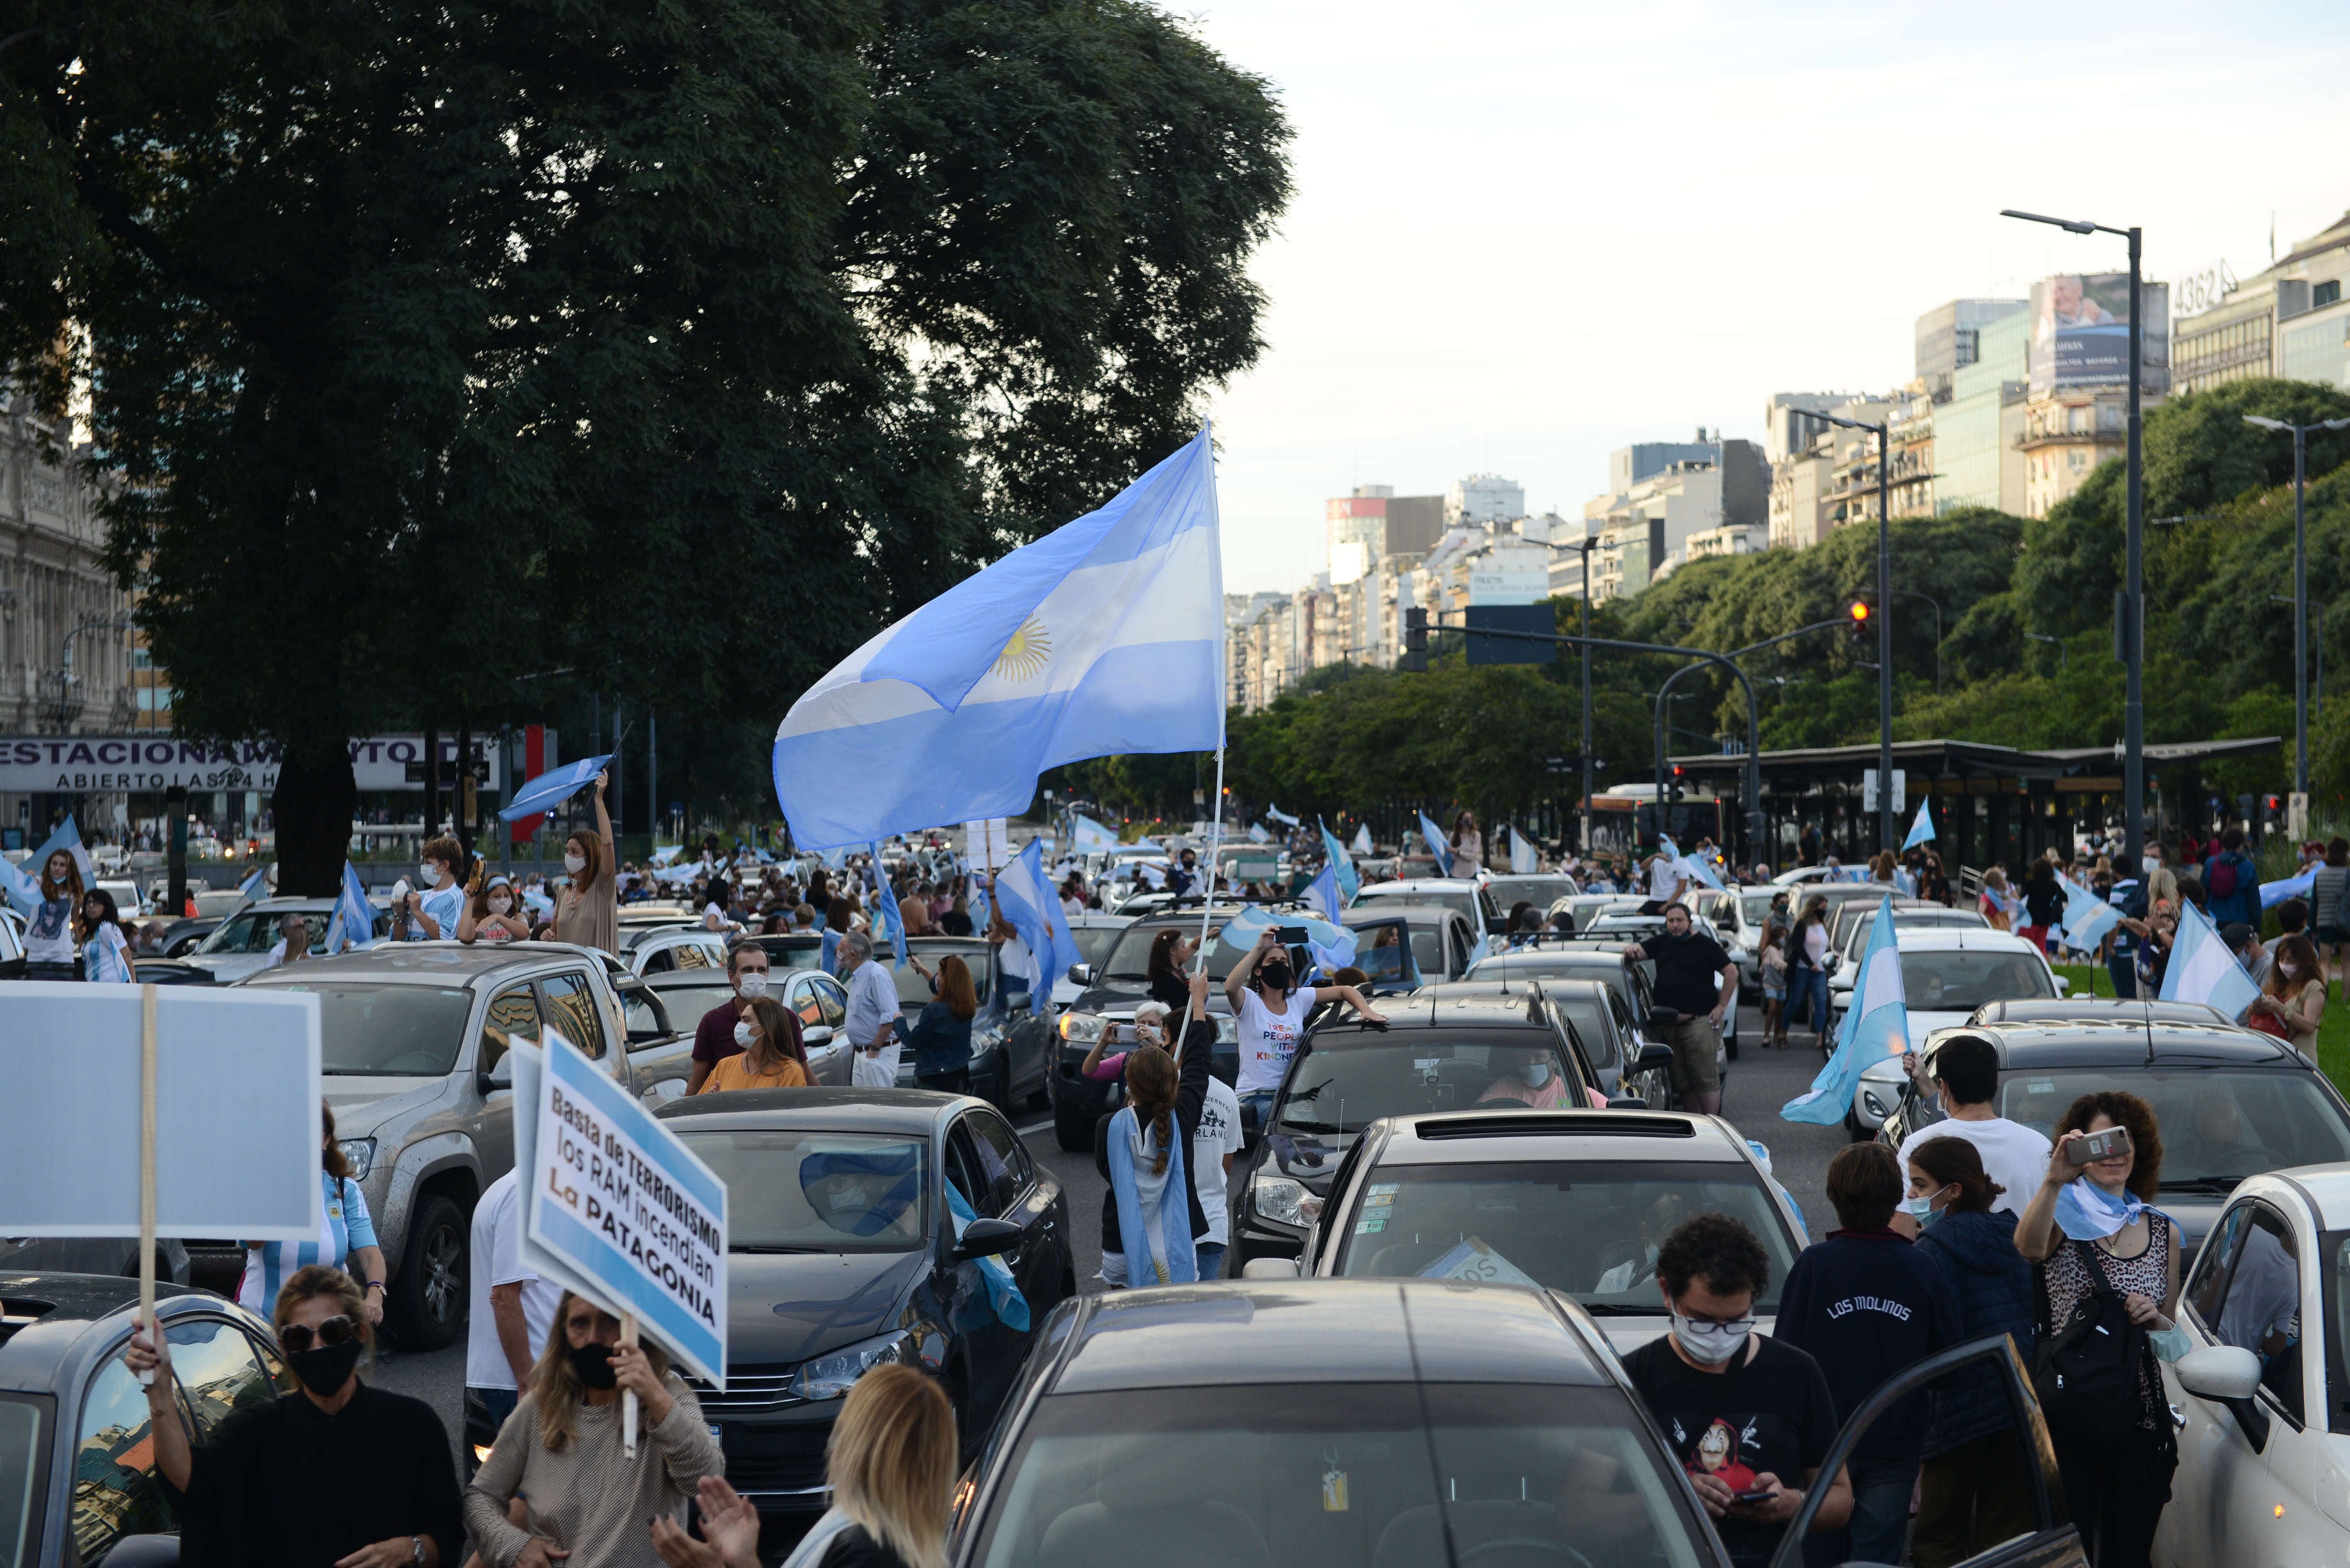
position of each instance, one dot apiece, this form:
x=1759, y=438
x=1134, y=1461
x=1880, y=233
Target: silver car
x=239, y=946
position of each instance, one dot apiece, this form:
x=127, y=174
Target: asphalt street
x=1760, y=1083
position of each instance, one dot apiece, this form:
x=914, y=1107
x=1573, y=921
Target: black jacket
x=1866, y=1305
x=1190, y=1094
x=1992, y=1284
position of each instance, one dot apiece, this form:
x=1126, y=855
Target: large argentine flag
x=1876, y=1026
x=1104, y=637
x=2201, y=968
x=1029, y=904
x=22, y=886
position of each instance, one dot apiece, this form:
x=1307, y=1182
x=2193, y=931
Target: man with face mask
x=713, y=1037
x=430, y=915
x=1750, y=1417
x=1179, y=878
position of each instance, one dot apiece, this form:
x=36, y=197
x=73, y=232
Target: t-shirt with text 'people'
x=1268, y=1039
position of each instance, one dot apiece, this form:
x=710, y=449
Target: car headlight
x=1281, y=1199
x=1875, y=1106
x=361, y=1152
x=832, y=1374
x=1080, y=1028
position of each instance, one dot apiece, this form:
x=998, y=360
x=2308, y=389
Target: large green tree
x=431, y=345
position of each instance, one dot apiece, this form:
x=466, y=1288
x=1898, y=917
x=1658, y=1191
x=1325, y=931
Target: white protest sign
x=236, y=1125
x=987, y=844
x=616, y=1208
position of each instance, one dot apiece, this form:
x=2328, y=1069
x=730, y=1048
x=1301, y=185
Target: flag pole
x=147, y=1169
x=1215, y=836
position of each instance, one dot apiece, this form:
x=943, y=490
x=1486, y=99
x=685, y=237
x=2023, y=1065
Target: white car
x=2263, y=1458
x=1947, y=972
x=1464, y=896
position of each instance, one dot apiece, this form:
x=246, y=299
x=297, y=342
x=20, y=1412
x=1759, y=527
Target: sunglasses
x=295, y=1337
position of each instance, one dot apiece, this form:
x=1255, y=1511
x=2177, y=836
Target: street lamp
x=1590, y=543
x=2300, y=597
x=2134, y=613
x=1884, y=623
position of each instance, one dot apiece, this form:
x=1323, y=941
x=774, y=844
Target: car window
x=969, y=1177
x=2259, y=1311
x=2209, y=1281
x=660, y=962
x=23, y=1453
x=217, y=1371
x=802, y=1000
x=513, y=1015
x=1962, y=981
x=571, y=1008
x=648, y=1021
x=1001, y=1156
x=116, y=1489
x=1592, y=1025
x=797, y=1191
x=693, y=955
x=835, y=1000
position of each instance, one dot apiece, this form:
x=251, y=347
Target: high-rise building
x=1645, y=532
x=1813, y=486
x=1374, y=523
x=1627, y=465
x=2270, y=324
x=1977, y=461
x=1788, y=425
x=1949, y=337
x=1483, y=499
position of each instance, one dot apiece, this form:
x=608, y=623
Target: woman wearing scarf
x=2095, y=1216
x=1151, y=1217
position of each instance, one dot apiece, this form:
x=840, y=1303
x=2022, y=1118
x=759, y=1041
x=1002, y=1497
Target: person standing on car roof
x=1696, y=978
x=430, y=915
x=586, y=911
x=713, y=1037
x=1272, y=1015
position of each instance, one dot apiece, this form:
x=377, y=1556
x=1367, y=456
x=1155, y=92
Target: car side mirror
x=1083, y=973
x=1654, y=1056
x=987, y=1238
x=1271, y=1268
x=2228, y=1375
x=2063, y=985
x=815, y=1035
x=499, y=1077
x=1497, y=925
x=1248, y=1120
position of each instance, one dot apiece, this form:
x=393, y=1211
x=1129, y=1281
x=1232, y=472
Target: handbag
x=2267, y=1024
x=2086, y=1368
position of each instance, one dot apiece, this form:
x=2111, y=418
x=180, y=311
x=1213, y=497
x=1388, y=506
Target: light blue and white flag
x=1342, y=863
x=2201, y=968
x=1334, y=946
x=1104, y=637
x=353, y=922
x=257, y=885
x=888, y=923
x=1280, y=815
x=1877, y=1026
x=2277, y=892
x=1362, y=838
x=1088, y=837
x=1700, y=870
x=1922, y=831
x=553, y=787
x=981, y=912
x=1031, y=905
x=2087, y=917
x=1524, y=860
x=1322, y=892
x=24, y=882
x=1257, y=835
x=1437, y=845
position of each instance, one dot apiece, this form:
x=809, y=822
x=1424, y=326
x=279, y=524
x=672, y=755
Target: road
x=1760, y=1083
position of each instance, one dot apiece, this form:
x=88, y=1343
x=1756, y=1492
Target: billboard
x=2079, y=332
x=76, y=764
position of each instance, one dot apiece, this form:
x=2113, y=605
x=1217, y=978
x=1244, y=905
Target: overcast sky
x=1524, y=235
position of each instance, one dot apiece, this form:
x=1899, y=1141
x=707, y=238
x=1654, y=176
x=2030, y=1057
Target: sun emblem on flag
x=1026, y=653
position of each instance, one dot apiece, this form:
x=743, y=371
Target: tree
x=433, y=346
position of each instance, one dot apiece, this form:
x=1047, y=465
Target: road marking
x=1031, y=1132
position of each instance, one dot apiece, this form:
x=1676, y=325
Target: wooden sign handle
x=628, y=1397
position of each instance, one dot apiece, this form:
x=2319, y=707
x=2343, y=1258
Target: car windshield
x=1340, y=1089
x=1962, y=981
x=1129, y=960
x=1094, y=942
x=1366, y=1472
x=1587, y=1228
x=1460, y=901
x=1593, y=1026
x=1541, y=892
x=790, y=1190
x=1912, y=921
x=914, y=987
x=2217, y=1127
x=407, y=1031
x=255, y=932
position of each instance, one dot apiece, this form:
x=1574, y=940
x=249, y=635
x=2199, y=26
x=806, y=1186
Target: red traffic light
x=1859, y=610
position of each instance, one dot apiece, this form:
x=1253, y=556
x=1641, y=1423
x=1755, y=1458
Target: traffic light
x=1415, y=639
x=1856, y=614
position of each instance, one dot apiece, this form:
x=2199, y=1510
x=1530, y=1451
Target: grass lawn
x=2333, y=1036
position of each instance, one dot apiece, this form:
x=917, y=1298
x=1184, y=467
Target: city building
x=1483, y=499
x=1644, y=531
x=1627, y=466
x=2268, y=323
x=2067, y=431
x=1949, y=339
x=1977, y=431
x=1817, y=486
x=1790, y=421
x=2077, y=413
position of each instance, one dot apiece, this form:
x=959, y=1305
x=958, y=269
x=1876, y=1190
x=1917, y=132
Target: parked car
x=1442, y=1048
x=1464, y=896
x=1632, y=981
x=1571, y=1201
x=1848, y=932
x=792, y=950
x=1388, y=1422
x=413, y=1039
x=2231, y=1103
x=1947, y=974
x=185, y=935
x=1444, y=945
x=240, y=945
x=1012, y=1047
x=844, y=1254
x=75, y=1445
x=1542, y=890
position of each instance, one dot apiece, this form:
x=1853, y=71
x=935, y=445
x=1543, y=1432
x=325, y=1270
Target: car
x=1464, y=896
x=116, y=1255
x=791, y=949
x=217, y=903
x=1012, y=1048
x=1849, y=920
x=1393, y=1423
x=1441, y=1048
x=1947, y=975
x=129, y=901
x=413, y=1039
x=2067, y=1009
x=185, y=935
x=1443, y=944
x=843, y=1255
x=658, y=950
x=1095, y=934
x=1542, y=890
x=239, y=945
x=2258, y=1396
x=1633, y=983
x=2231, y=1102
x=1569, y=1200
x=685, y=995
x=75, y=1444
x=1603, y=1026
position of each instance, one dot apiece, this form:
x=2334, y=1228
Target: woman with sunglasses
x=589, y=1504
x=334, y=1472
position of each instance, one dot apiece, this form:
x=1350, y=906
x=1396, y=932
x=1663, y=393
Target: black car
x=77, y=1477
x=1392, y=1422
x=1010, y=1044
x=1442, y=1048
x=843, y=1255
x=2231, y=1102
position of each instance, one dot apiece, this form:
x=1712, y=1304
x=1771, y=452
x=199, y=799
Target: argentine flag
x=2297, y=887
x=1031, y=906
x=553, y=787
x=2201, y=968
x=1922, y=831
x=1323, y=893
x=1524, y=861
x=1105, y=637
x=1342, y=865
x=254, y=886
x=1280, y=815
x=1362, y=838
x=887, y=921
x=1088, y=837
x=1437, y=845
x=23, y=883
x=2087, y=917
x=1876, y=1026
x=353, y=922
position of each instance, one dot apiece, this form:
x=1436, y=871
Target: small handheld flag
x=1876, y=1026
x=1437, y=845
x=1922, y=831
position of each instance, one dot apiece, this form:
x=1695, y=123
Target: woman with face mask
x=2294, y=998
x=335, y=1471
x=586, y=910
x=346, y=1241
x=772, y=1055
x=1972, y=1490
x=590, y=1504
x=493, y=912
x=1271, y=1009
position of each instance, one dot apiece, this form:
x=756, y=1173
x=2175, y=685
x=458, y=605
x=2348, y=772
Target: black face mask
x=324, y=1369
x=593, y=1363
x=1276, y=976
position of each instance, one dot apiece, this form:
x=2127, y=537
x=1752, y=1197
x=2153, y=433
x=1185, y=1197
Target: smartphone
x=1755, y=1497
x=1293, y=936
x=2098, y=1146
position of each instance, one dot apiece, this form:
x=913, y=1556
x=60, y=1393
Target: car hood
x=787, y=1307
x=362, y=1106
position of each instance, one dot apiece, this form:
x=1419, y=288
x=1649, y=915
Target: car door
x=1029, y=1196
x=513, y=1014
x=814, y=1000
x=992, y=1348
x=2051, y=1542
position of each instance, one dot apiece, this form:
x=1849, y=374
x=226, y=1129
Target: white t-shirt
x=1664, y=876
x=1268, y=1040
x=1219, y=1134
x=1015, y=961
x=2013, y=1154
x=105, y=957
x=497, y=1261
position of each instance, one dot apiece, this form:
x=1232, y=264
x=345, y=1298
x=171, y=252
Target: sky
x=1525, y=234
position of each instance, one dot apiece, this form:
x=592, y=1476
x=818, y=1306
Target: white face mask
x=1537, y=1075
x=2152, y=863
x=742, y=1036
x=430, y=874
x=752, y=984
x=2287, y=970
x=574, y=864
x=500, y=906
x=1712, y=1344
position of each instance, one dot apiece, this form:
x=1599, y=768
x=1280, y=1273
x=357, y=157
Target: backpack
x=2219, y=876
x=2086, y=1369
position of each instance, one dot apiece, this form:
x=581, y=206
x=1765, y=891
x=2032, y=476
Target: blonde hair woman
x=891, y=1463
x=561, y=1450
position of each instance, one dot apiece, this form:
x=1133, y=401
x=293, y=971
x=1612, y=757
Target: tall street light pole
x=2134, y=594
x=1885, y=839
x=2300, y=597
x=1590, y=542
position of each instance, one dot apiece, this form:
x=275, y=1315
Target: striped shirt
x=105, y=957
x=444, y=904
x=348, y=1229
